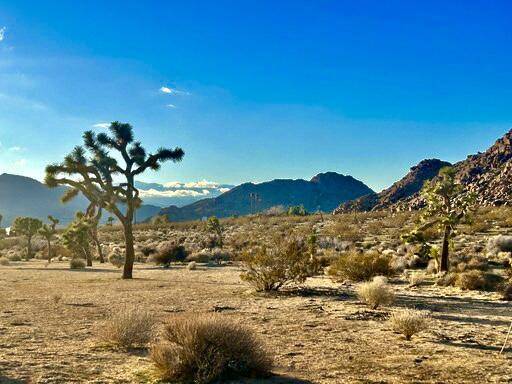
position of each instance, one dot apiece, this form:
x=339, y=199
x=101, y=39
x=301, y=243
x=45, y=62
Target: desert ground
x=317, y=332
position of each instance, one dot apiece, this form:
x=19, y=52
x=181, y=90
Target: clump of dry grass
x=192, y=266
x=128, y=328
x=206, y=348
x=116, y=258
x=409, y=322
x=360, y=266
x=77, y=263
x=4, y=261
x=375, y=293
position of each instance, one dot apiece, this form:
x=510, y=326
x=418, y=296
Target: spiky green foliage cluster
x=444, y=200
x=213, y=225
x=28, y=227
x=77, y=237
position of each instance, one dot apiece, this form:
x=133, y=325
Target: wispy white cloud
x=173, y=193
x=16, y=149
x=171, y=106
x=201, y=184
x=101, y=125
x=2, y=33
x=172, y=91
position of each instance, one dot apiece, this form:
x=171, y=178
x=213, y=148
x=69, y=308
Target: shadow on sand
x=8, y=380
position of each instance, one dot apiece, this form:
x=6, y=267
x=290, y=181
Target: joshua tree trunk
x=98, y=244
x=445, y=250
x=49, y=251
x=29, y=247
x=130, y=252
x=88, y=256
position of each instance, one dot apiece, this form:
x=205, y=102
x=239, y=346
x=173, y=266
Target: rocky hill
x=399, y=191
x=23, y=196
x=488, y=175
x=325, y=191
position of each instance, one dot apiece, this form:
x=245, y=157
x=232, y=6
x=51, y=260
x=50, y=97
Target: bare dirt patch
x=321, y=334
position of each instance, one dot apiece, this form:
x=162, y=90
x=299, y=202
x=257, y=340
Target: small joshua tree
x=446, y=207
x=110, y=221
x=28, y=227
x=48, y=231
x=91, y=170
x=77, y=237
x=94, y=213
x=213, y=225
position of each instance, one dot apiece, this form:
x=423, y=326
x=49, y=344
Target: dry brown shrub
x=128, y=327
x=206, y=348
x=375, y=293
x=409, y=322
x=77, y=263
x=360, y=266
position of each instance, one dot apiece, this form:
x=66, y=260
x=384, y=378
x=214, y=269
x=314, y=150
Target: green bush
x=286, y=262
x=77, y=263
x=170, y=253
x=360, y=266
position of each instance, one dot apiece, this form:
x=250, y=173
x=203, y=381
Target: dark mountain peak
x=324, y=191
x=409, y=185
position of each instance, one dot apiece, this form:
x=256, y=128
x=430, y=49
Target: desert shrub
x=203, y=349
x=215, y=255
x=416, y=279
x=170, y=253
x=128, y=328
x=409, y=322
x=192, y=266
x=478, y=280
x=14, y=256
x=500, y=243
x=506, y=291
x=4, y=261
x=447, y=279
x=286, y=262
x=116, y=258
x=297, y=210
x=360, y=266
x=147, y=250
x=77, y=263
x=375, y=293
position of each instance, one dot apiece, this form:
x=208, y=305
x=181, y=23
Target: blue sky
x=258, y=89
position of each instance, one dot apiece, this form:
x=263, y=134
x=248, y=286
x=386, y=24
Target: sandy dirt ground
x=50, y=318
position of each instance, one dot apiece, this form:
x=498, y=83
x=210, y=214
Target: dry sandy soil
x=321, y=334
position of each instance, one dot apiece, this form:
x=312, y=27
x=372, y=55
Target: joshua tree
x=28, y=227
x=94, y=214
x=77, y=237
x=90, y=170
x=213, y=225
x=110, y=221
x=1, y=218
x=48, y=231
x=445, y=207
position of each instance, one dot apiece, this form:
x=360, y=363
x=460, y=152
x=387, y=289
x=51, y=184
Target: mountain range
x=323, y=192
x=24, y=196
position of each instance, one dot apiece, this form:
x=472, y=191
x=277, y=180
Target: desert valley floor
x=50, y=316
